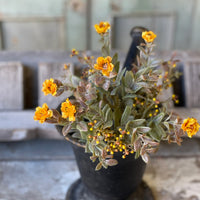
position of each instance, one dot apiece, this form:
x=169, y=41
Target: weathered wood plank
x=11, y=90
x=155, y=21
x=192, y=82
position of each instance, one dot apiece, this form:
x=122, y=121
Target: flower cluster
x=115, y=110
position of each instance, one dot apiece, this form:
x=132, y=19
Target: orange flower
x=102, y=27
x=49, y=87
x=42, y=113
x=105, y=65
x=68, y=110
x=191, y=126
x=148, y=36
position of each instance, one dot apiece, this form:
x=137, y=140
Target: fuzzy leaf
x=120, y=75
x=134, y=136
x=108, y=115
x=82, y=126
x=143, y=129
x=104, y=110
x=111, y=162
x=137, y=154
x=98, y=167
x=51, y=121
x=129, y=78
x=134, y=123
x=114, y=91
x=130, y=96
x=117, y=66
x=105, y=51
x=157, y=119
x=98, y=124
x=145, y=158
x=115, y=59
x=66, y=129
x=166, y=125
x=108, y=124
x=126, y=114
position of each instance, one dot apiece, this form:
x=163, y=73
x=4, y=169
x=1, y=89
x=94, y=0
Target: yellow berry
x=120, y=129
x=177, y=101
x=123, y=147
x=123, y=156
x=156, y=106
x=132, y=151
x=174, y=65
x=150, y=115
x=135, y=98
x=142, y=103
x=121, y=136
x=128, y=133
x=91, y=129
x=154, y=99
x=117, y=138
x=157, y=110
x=112, y=152
x=134, y=105
x=120, y=150
x=97, y=142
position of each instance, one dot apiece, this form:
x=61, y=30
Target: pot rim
x=74, y=141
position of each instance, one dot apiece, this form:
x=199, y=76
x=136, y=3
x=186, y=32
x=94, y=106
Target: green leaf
x=157, y=132
x=66, y=129
x=134, y=136
x=158, y=118
x=111, y=162
x=143, y=129
x=105, y=51
x=108, y=115
x=108, y=124
x=98, y=124
x=82, y=126
x=134, y=123
x=129, y=78
x=137, y=154
x=84, y=134
x=126, y=114
x=104, y=110
x=120, y=75
x=114, y=91
x=115, y=59
x=117, y=66
x=130, y=96
x=98, y=167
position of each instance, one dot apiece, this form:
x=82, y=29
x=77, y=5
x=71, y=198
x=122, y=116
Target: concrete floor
x=44, y=170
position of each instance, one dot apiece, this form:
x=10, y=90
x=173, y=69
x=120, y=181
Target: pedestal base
x=77, y=191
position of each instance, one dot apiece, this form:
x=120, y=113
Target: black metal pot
x=115, y=183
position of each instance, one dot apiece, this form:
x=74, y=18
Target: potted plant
x=117, y=116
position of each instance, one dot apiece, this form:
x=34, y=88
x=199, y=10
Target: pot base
x=77, y=191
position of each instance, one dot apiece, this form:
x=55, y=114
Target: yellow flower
x=42, y=113
x=49, y=87
x=191, y=126
x=68, y=110
x=102, y=27
x=148, y=36
x=105, y=65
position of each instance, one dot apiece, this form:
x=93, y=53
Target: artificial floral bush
x=117, y=110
